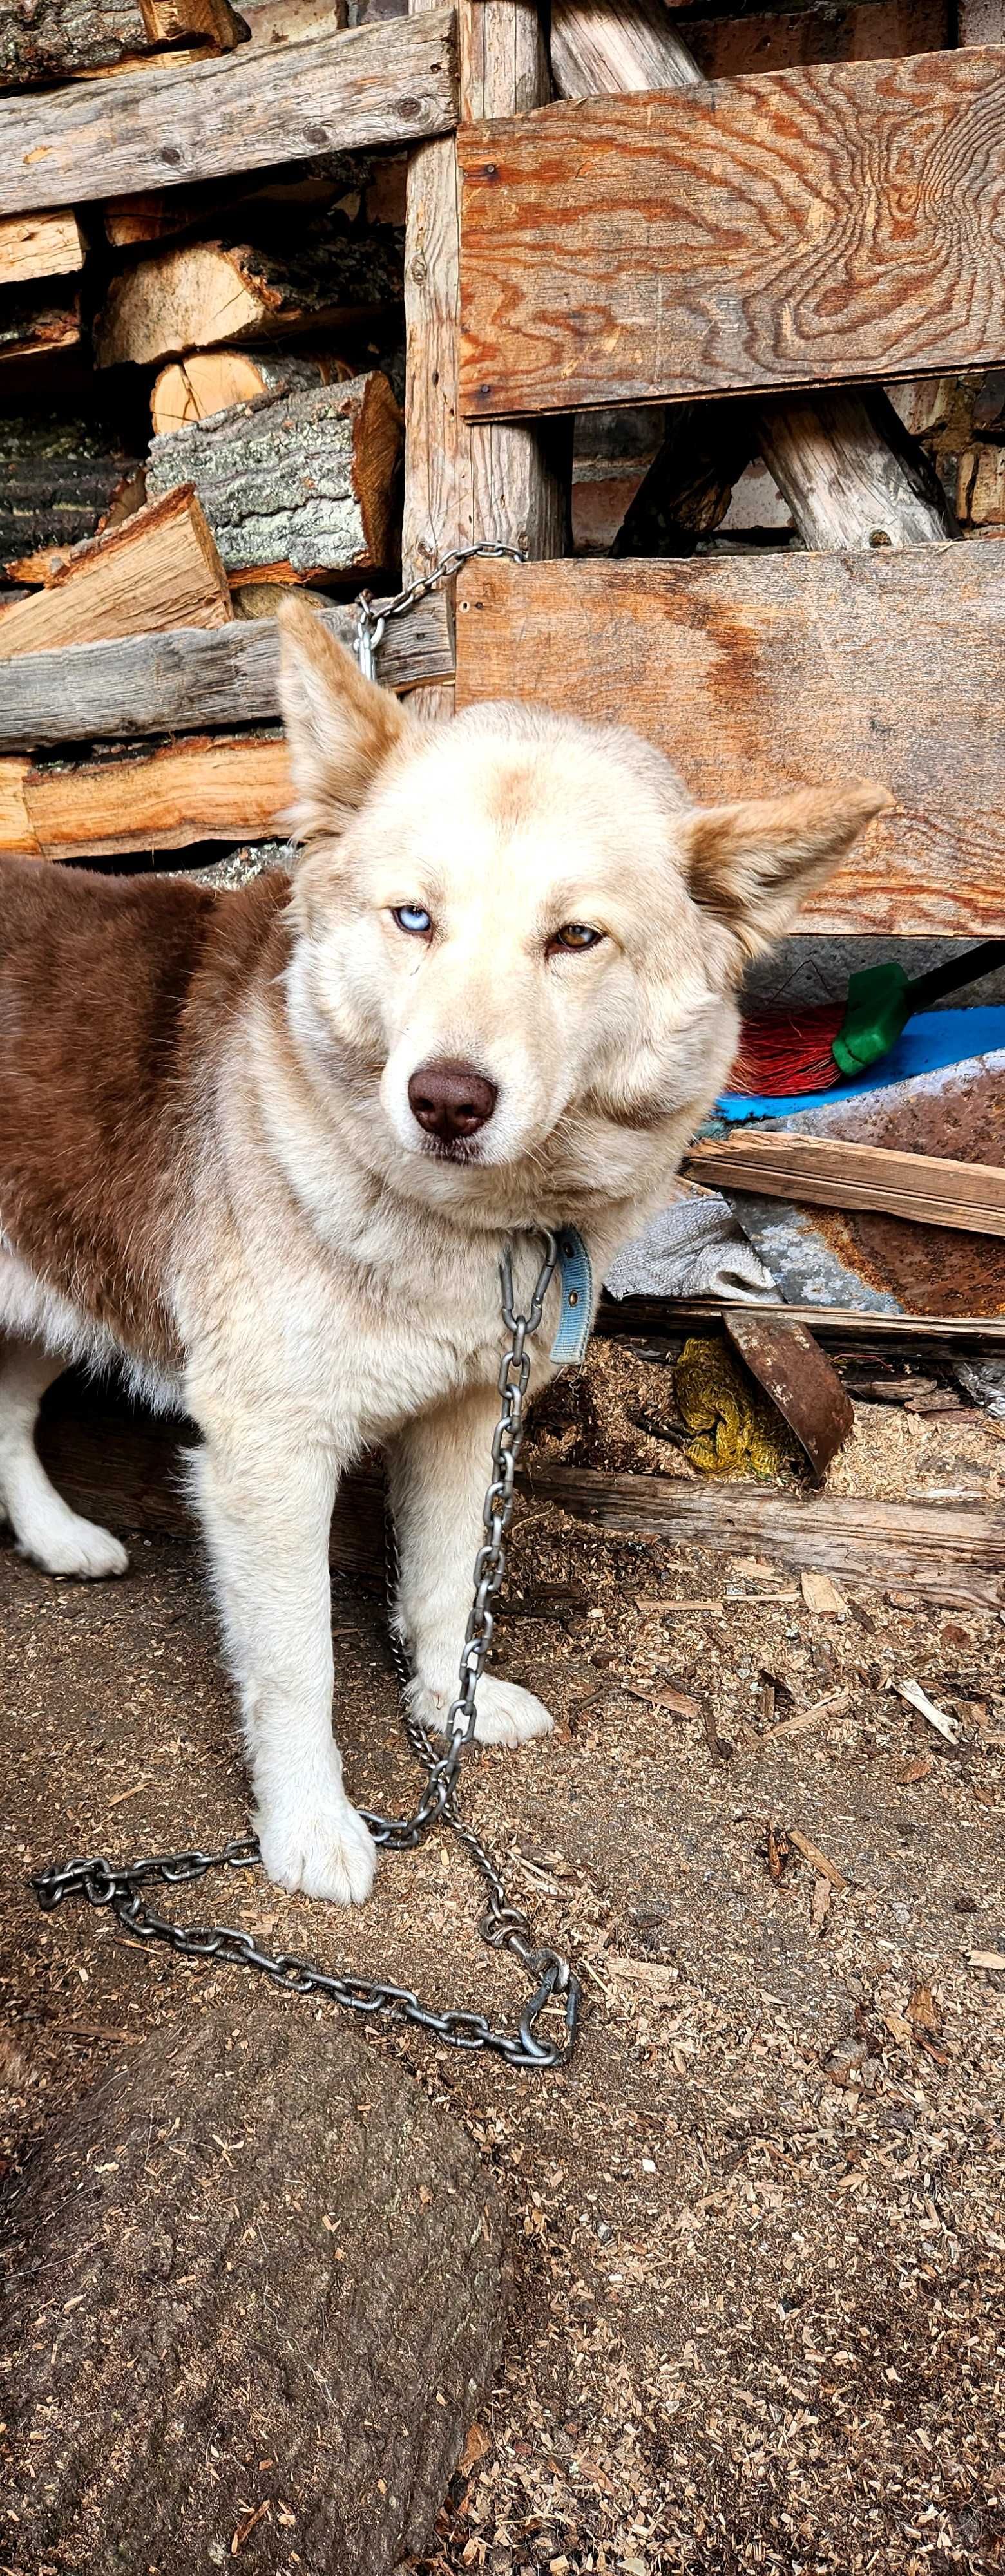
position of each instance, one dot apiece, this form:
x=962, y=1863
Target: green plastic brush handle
x=881, y=999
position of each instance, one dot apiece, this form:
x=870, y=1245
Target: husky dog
x=266, y=1148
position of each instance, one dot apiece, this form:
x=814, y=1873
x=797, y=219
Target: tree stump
x=258, y=2287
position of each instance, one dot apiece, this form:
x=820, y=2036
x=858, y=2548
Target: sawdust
x=760, y=2222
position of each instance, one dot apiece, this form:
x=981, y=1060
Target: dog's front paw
x=62, y=1543
x=506, y=1713
x=319, y=1851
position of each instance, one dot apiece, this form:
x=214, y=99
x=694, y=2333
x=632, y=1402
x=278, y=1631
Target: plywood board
x=758, y=673
x=801, y=227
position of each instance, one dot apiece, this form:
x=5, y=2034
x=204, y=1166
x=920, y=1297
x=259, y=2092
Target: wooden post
x=841, y=461
x=500, y=481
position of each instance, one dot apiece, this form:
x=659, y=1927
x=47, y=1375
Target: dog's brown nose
x=451, y=1100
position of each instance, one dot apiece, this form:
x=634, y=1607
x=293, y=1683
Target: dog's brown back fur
x=111, y=991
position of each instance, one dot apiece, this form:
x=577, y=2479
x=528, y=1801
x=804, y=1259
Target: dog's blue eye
x=576, y=935
x=412, y=917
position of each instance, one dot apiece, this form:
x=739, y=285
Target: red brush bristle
x=778, y=1055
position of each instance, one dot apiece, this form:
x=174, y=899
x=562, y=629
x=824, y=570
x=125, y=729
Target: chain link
x=503, y=1926
x=371, y=621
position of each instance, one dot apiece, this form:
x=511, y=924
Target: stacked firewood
x=201, y=407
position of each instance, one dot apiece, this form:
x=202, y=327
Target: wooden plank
x=388, y=83
x=210, y=788
x=39, y=246
x=462, y=487
x=848, y=471
x=121, y=1467
x=946, y=1554
x=671, y=1318
x=744, y=236
x=826, y=1171
x=191, y=678
x=159, y=568
x=762, y=672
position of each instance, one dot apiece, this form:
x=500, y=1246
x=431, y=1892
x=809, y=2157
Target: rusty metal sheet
x=801, y=1382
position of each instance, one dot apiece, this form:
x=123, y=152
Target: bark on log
x=39, y=246
x=60, y=478
x=506, y=484
x=192, y=677
x=308, y=477
x=32, y=330
x=211, y=787
x=208, y=293
x=212, y=380
x=838, y=463
x=159, y=569
x=301, y=2332
x=161, y=128
x=51, y=40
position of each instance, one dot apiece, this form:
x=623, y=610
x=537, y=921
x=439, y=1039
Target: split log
x=308, y=2293
x=841, y=466
x=39, y=246
x=390, y=83
x=210, y=293
x=174, y=682
x=29, y=330
x=212, y=380
x=579, y=223
x=61, y=477
x=159, y=569
x=763, y=671
x=306, y=476
x=827, y=1171
x=212, y=787
x=51, y=40
x=508, y=485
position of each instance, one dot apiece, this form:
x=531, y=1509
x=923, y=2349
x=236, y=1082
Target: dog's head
x=515, y=926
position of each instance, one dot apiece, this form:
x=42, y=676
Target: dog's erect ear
x=754, y=864
x=340, y=727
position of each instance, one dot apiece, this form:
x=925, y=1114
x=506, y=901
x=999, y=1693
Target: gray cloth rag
x=694, y=1248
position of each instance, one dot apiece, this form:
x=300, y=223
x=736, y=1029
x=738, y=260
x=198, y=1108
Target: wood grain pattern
x=389, y=83
x=210, y=788
x=763, y=672
x=504, y=484
x=39, y=246
x=793, y=228
x=158, y=568
x=844, y=464
x=192, y=677
x=828, y=1171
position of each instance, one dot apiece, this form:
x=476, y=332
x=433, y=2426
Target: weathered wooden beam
x=828, y=1171
x=763, y=671
x=621, y=252
x=841, y=1327
x=843, y=465
x=177, y=682
x=159, y=568
x=389, y=83
x=65, y=38
x=308, y=477
x=508, y=485
x=207, y=788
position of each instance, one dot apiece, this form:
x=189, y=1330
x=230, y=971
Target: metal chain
x=371, y=621
x=503, y=1926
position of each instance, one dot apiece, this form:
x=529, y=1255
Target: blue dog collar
x=575, y=1279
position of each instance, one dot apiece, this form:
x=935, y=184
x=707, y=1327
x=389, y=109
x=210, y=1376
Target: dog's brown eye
x=575, y=935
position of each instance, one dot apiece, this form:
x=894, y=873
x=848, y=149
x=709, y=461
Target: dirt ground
x=761, y=2315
